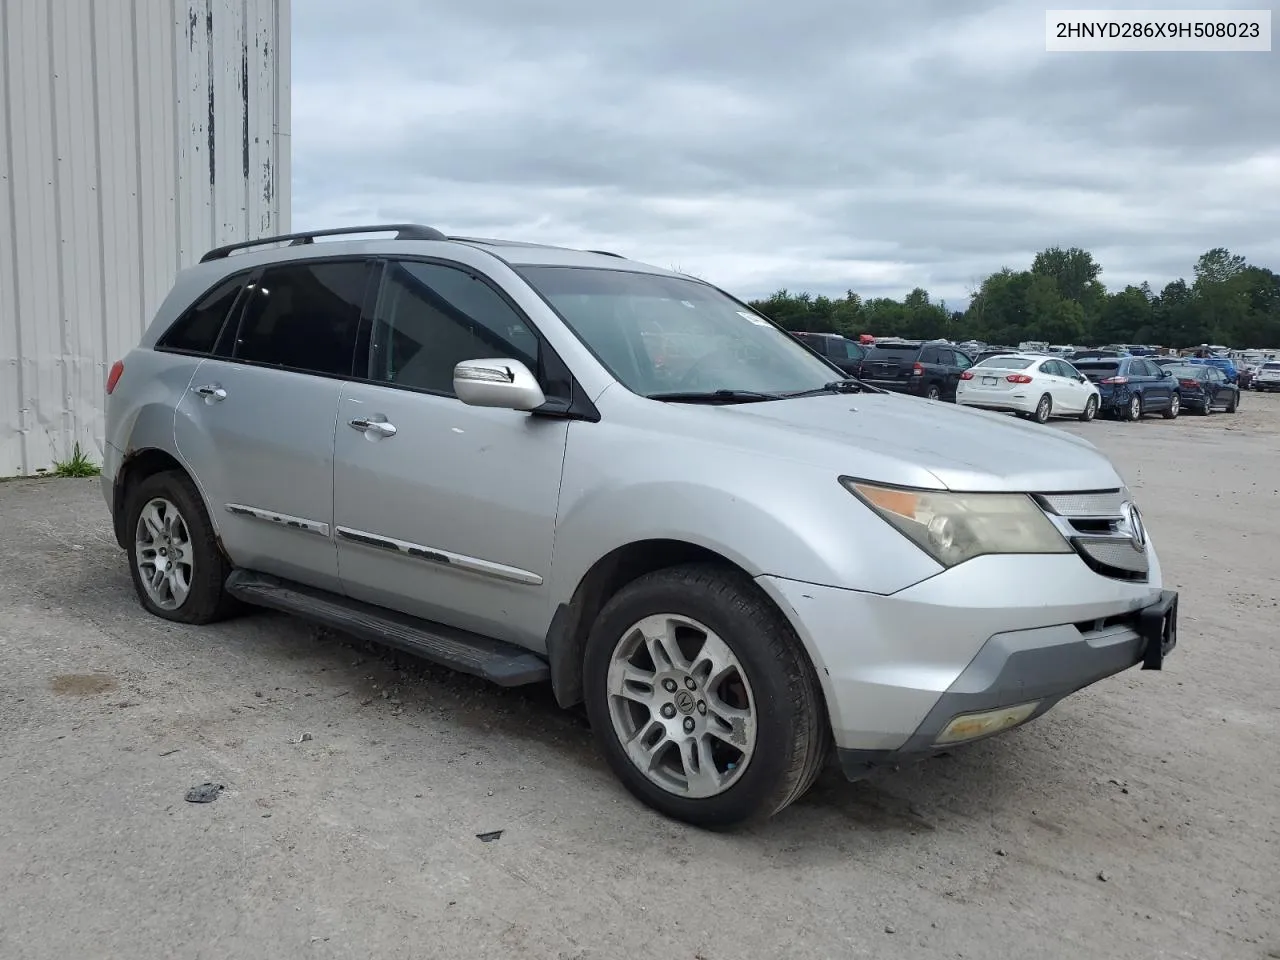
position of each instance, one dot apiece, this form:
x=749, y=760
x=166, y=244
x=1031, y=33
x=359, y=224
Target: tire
x=779, y=685
x=1044, y=407
x=181, y=508
x=1175, y=406
x=1133, y=409
x=1208, y=406
x=1090, y=409
x=933, y=393
x=1235, y=402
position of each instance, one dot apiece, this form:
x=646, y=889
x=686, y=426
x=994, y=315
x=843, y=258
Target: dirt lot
x=1139, y=819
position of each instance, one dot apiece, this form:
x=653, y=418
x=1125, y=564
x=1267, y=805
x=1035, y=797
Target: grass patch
x=77, y=465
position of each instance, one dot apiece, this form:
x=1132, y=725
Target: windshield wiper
x=848, y=385
x=715, y=396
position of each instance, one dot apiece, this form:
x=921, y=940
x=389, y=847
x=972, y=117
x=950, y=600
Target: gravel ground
x=1138, y=819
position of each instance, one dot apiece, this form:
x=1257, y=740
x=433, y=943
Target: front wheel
x=1090, y=409
x=702, y=699
x=1175, y=405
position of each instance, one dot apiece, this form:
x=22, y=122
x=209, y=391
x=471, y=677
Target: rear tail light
x=1018, y=378
x=1189, y=384
x=1115, y=380
x=113, y=377
x=967, y=375
x=917, y=370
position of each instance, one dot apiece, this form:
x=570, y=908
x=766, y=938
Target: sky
x=816, y=145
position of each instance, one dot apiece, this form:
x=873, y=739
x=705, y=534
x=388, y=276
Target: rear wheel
x=933, y=393
x=1043, y=409
x=1134, y=409
x=1175, y=406
x=702, y=698
x=1235, y=402
x=178, y=569
x=1090, y=409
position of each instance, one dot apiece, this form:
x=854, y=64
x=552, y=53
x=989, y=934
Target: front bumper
x=991, y=633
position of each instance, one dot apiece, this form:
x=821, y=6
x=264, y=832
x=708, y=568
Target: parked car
x=841, y=351
x=1030, y=385
x=1224, y=364
x=925, y=369
x=993, y=352
x=1203, y=388
x=463, y=448
x=1132, y=386
x=1094, y=355
x=1268, y=376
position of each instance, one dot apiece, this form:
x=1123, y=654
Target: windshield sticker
x=758, y=321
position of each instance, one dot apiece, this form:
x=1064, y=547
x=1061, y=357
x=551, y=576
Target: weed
x=77, y=465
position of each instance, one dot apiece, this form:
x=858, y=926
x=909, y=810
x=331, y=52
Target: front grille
x=1102, y=530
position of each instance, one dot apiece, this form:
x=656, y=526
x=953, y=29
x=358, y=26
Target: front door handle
x=379, y=428
x=212, y=392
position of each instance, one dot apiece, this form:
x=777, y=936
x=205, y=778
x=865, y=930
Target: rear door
x=846, y=355
x=256, y=424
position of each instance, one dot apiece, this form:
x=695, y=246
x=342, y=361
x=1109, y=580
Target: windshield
x=1005, y=363
x=660, y=334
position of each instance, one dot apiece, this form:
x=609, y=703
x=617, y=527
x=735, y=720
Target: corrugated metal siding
x=136, y=135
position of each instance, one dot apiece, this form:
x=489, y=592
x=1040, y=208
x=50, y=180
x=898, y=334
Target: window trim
x=244, y=277
x=225, y=346
x=550, y=366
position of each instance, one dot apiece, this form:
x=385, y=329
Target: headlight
x=955, y=527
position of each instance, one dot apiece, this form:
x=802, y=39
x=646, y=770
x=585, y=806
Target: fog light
x=970, y=726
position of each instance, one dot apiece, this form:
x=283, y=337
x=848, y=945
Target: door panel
x=443, y=510
x=260, y=445
x=452, y=518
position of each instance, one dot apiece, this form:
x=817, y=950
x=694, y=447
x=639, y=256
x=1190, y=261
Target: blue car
x=1204, y=387
x=1222, y=363
x=1129, y=387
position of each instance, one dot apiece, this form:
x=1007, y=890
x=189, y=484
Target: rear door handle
x=379, y=428
x=212, y=392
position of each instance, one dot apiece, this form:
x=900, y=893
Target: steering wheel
x=690, y=375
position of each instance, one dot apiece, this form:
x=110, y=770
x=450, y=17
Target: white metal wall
x=134, y=136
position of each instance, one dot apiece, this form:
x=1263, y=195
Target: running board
x=502, y=663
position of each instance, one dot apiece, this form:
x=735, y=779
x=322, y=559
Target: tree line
x=1061, y=300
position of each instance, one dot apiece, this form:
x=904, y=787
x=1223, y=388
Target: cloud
x=812, y=144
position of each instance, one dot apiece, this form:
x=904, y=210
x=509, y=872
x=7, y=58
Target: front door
x=256, y=428
x=442, y=510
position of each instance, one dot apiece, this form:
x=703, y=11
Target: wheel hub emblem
x=684, y=702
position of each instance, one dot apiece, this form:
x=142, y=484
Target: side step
x=502, y=663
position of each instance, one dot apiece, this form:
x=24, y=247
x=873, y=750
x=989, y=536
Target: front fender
x=770, y=517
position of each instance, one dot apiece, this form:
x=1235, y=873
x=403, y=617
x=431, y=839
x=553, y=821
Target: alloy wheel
x=164, y=554
x=681, y=706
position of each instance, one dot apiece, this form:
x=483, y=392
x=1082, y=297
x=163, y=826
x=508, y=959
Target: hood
x=964, y=448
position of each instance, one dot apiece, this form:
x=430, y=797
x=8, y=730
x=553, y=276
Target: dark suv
x=1131, y=386
x=926, y=369
x=841, y=351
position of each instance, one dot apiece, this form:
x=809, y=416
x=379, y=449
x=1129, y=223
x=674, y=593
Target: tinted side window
x=431, y=317
x=931, y=355
x=196, y=331
x=304, y=316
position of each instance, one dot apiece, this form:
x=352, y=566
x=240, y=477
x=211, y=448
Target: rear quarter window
x=196, y=331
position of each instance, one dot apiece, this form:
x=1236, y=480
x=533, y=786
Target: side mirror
x=1164, y=372
x=1082, y=378
x=502, y=383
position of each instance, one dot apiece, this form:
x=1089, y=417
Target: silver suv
x=537, y=464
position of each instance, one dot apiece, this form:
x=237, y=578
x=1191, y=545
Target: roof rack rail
x=403, y=231
x=608, y=253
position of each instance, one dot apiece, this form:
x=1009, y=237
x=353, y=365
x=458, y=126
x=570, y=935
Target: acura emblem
x=1135, y=528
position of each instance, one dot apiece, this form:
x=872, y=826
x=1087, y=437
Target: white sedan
x=1030, y=385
